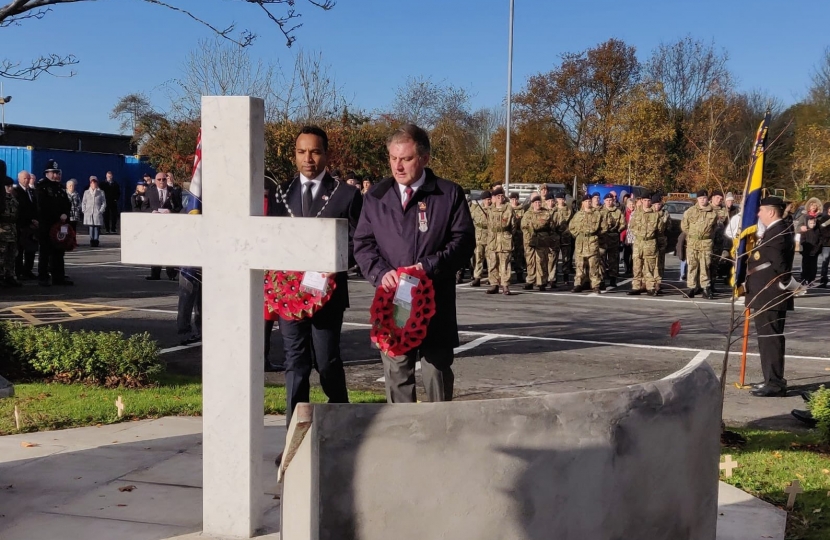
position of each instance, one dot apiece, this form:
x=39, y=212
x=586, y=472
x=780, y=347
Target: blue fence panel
x=17, y=159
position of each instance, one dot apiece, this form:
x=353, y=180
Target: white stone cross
x=119, y=404
x=233, y=244
x=728, y=465
x=793, y=489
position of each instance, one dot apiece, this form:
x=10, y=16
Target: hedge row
x=103, y=358
x=819, y=406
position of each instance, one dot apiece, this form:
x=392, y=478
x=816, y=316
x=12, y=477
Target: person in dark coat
x=769, y=293
x=162, y=200
x=313, y=193
x=823, y=225
x=112, y=210
x=416, y=219
x=27, y=226
x=53, y=206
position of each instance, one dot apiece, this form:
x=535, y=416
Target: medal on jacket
x=756, y=256
x=423, y=225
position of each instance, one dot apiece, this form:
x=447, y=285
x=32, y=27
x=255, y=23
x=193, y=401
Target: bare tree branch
x=38, y=66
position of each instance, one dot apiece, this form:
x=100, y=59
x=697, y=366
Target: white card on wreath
x=314, y=282
x=405, y=291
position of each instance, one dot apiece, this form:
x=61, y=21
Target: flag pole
x=743, y=348
x=509, y=103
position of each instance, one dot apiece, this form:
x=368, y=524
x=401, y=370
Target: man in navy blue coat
x=416, y=219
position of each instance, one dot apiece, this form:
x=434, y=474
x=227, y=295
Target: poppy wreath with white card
x=63, y=236
x=295, y=295
x=400, y=317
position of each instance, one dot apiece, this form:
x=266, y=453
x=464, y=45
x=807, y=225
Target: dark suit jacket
x=772, y=265
x=172, y=203
x=388, y=237
x=27, y=208
x=336, y=199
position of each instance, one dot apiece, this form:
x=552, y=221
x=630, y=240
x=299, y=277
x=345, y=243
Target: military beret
x=644, y=195
x=498, y=190
x=514, y=195
x=535, y=197
x=717, y=192
x=7, y=181
x=147, y=175
x=773, y=201
x=608, y=196
x=595, y=194
x=559, y=195
x=587, y=197
x=486, y=195
x=656, y=198
x=702, y=193
x=549, y=196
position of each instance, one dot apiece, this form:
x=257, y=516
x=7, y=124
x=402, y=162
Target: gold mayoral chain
x=283, y=197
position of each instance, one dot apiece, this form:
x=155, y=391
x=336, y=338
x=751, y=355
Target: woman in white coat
x=93, y=206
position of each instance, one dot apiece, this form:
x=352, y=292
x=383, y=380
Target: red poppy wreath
x=63, y=240
x=285, y=297
x=390, y=337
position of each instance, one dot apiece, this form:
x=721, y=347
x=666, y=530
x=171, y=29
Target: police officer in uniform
x=53, y=207
x=770, y=288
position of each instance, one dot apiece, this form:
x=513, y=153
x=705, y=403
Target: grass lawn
x=58, y=406
x=771, y=460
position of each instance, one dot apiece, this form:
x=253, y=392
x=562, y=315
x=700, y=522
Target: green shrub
x=819, y=406
x=104, y=358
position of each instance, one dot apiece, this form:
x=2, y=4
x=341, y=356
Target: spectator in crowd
x=680, y=250
x=367, y=184
x=189, y=318
x=173, y=186
x=53, y=208
x=810, y=249
x=94, y=207
x=823, y=223
x=351, y=179
x=138, y=200
x=112, y=195
x=731, y=207
x=627, y=237
x=75, y=200
x=26, y=226
x=8, y=233
x=162, y=200
x=148, y=180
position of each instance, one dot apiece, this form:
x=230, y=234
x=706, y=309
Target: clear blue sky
x=374, y=45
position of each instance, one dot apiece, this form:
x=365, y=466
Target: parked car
x=602, y=189
x=676, y=209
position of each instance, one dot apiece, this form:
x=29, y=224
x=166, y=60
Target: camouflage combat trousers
x=699, y=261
x=498, y=268
x=662, y=246
x=553, y=257
x=8, y=252
x=478, y=261
x=537, y=265
x=567, y=258
x=592, y=265
x=645, y=266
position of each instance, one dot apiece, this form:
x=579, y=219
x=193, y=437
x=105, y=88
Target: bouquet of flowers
x=286, y=296
x=398, y=327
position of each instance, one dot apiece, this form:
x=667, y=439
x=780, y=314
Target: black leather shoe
x=652, y=292
x=493, y=290
x=613, y=282
x=769, y=391
x=602, y=286
x=597, y=290
x=706, y=294
x=691, y=293
x=475, y=283
x=634, y=292
x=542, y=288
x=804, y=416
x=528, y=286
x=577, y=289
x=152, y=278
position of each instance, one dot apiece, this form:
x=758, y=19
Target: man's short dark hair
x=411, y=132
x=314, y=130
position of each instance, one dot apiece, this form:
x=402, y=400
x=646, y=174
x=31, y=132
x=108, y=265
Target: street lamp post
x=3, y=101
x=509, y=102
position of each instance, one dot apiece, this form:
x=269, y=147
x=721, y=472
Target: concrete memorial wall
x=639, y=462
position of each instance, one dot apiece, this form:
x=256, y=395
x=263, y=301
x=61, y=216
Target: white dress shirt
x=316, y=182
x=415, y=187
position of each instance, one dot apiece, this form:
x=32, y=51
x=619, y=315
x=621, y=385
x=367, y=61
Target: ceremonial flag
x=194, y=197
x=744, y=241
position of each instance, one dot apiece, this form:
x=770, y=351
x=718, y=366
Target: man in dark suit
x=416, y=219
x=162, y=200
x=316, y=340
x=769, y=293
x=27, y=225
x=112, y=191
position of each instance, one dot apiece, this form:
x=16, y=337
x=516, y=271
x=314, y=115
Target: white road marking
x=179, y=348
x=623, y=282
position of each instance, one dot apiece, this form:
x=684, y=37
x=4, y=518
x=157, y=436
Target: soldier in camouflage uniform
x=699, y=223
x=8, y=234
x=613, y=224
x=663, y=239
x=646, y=226
x=719, y=240
x=500, y=225
x=519, y=244
x=536, y=224
x=478, y=211
x=586, y=226
x=563, y=241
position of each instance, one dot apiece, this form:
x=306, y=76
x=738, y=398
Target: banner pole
x=743, y=348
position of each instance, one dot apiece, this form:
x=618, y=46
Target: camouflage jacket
x=586, y=226
x=663, y=238
x=8, y=220
x=538, y=227
x=479, y=215
x=500, y=224
x=561, y=222
x=700, y=225
x=518, y=213
x=647, y=226
x=723, y=220
x=613, y=223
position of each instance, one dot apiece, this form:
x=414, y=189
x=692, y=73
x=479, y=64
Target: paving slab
x=744, y=517
x=46, y=526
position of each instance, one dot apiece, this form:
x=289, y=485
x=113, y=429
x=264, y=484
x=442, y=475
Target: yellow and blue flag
x=194, y=194
x=745, y=240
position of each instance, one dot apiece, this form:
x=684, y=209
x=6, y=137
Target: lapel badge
x=422, y=206
x=757, y=256
x=325, y=197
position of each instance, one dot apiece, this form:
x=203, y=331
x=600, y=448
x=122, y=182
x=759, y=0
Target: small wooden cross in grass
x=728, y=465
x=119, y=404
x=793, y=489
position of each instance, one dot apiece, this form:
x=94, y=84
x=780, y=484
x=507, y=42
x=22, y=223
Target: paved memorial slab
x=233, y=243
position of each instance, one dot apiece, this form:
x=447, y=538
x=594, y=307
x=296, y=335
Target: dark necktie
x=307, y=198
x=29, y=193
x=408, y=192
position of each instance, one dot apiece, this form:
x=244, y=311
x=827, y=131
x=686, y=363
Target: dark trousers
x=50, y=261
x=111, y=215
x=155, y=272
x=308, y=342
x=436, y=372
x=628, y=258
x=190, y=305
x=769, y=325
x=24, y=263
x=825, y=263
x=809, y=267
x=269, y=328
